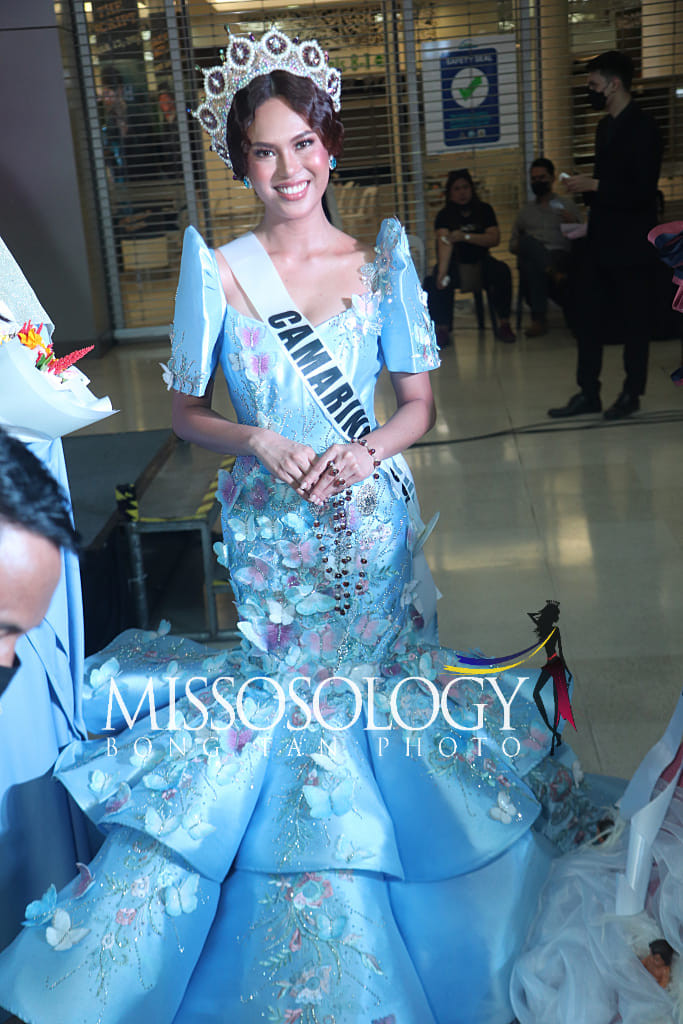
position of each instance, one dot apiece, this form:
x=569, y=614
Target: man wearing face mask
x=617, y=274
x=541, y=248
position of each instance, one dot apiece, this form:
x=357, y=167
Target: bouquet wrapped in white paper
x=42, y=397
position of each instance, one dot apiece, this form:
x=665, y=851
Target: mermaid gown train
x=277, y=850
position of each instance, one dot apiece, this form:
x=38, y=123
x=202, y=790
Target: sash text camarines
x=323, y=376
x=382, y=708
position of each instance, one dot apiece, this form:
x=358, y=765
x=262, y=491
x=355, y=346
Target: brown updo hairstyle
x=302, y=95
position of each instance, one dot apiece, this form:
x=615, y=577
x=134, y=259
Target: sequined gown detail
x=370, y=862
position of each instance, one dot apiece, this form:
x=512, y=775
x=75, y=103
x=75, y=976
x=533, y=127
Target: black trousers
x=535, y=262
x=495, y=277
x=613, y=306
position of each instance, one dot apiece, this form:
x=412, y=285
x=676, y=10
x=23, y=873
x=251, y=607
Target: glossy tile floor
x=583, y=511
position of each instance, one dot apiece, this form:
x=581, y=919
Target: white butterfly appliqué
x=323, y=803
x=167, y=376
x=503, y=810
x=181, y=899
x=99, y=677
x=60, y=935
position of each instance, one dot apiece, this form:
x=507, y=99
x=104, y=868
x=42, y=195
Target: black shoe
x=577, y=405
x=624, y=406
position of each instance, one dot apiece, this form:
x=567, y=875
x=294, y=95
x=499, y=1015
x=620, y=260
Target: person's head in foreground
x=34, y=526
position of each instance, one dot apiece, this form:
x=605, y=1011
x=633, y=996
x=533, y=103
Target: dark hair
x=302, y=95
x=463, y=174
x=542, y=161
x=613, y=64
x=660, y=947
x=111, y=78
x=545, y=619
x=30, y=497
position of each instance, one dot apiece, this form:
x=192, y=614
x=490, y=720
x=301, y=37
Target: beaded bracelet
x=376, y=463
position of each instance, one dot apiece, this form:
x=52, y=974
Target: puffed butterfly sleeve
x=408, y=340
x=198, y=321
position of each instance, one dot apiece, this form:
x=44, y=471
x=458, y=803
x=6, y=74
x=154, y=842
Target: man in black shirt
x=616, y=279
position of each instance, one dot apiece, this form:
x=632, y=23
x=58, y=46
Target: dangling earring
x=246, y=182
x=333, y=162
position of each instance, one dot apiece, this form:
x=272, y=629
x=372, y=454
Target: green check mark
x=468, y=92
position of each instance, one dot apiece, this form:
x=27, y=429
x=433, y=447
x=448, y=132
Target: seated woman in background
x=466, y=230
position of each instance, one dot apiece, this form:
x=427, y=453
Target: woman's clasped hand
x=314, y=477
x=334, y=470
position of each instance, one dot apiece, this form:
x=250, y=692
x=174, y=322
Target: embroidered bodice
x=387, y=326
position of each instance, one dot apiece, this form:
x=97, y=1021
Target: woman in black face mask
x=466, y=230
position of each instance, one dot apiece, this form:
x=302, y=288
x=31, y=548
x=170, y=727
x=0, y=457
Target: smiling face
x=287, y=162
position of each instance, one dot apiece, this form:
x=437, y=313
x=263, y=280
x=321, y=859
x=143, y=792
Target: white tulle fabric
x=582, y=961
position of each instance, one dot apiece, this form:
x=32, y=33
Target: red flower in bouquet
x=31, y=338
x=60, y=365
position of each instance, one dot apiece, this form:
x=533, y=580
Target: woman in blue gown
x=319, y=825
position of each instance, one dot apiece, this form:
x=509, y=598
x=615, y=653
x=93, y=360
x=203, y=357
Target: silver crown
x=245, y=59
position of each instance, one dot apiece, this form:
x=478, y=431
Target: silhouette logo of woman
x=555, y=668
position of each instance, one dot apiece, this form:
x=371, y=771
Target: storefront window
x=428, y=85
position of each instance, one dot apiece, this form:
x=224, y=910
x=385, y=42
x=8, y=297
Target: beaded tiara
x=244, y=59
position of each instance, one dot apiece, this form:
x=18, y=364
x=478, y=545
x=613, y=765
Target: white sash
x=326, y=383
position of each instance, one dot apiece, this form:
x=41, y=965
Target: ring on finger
x=332, y=469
